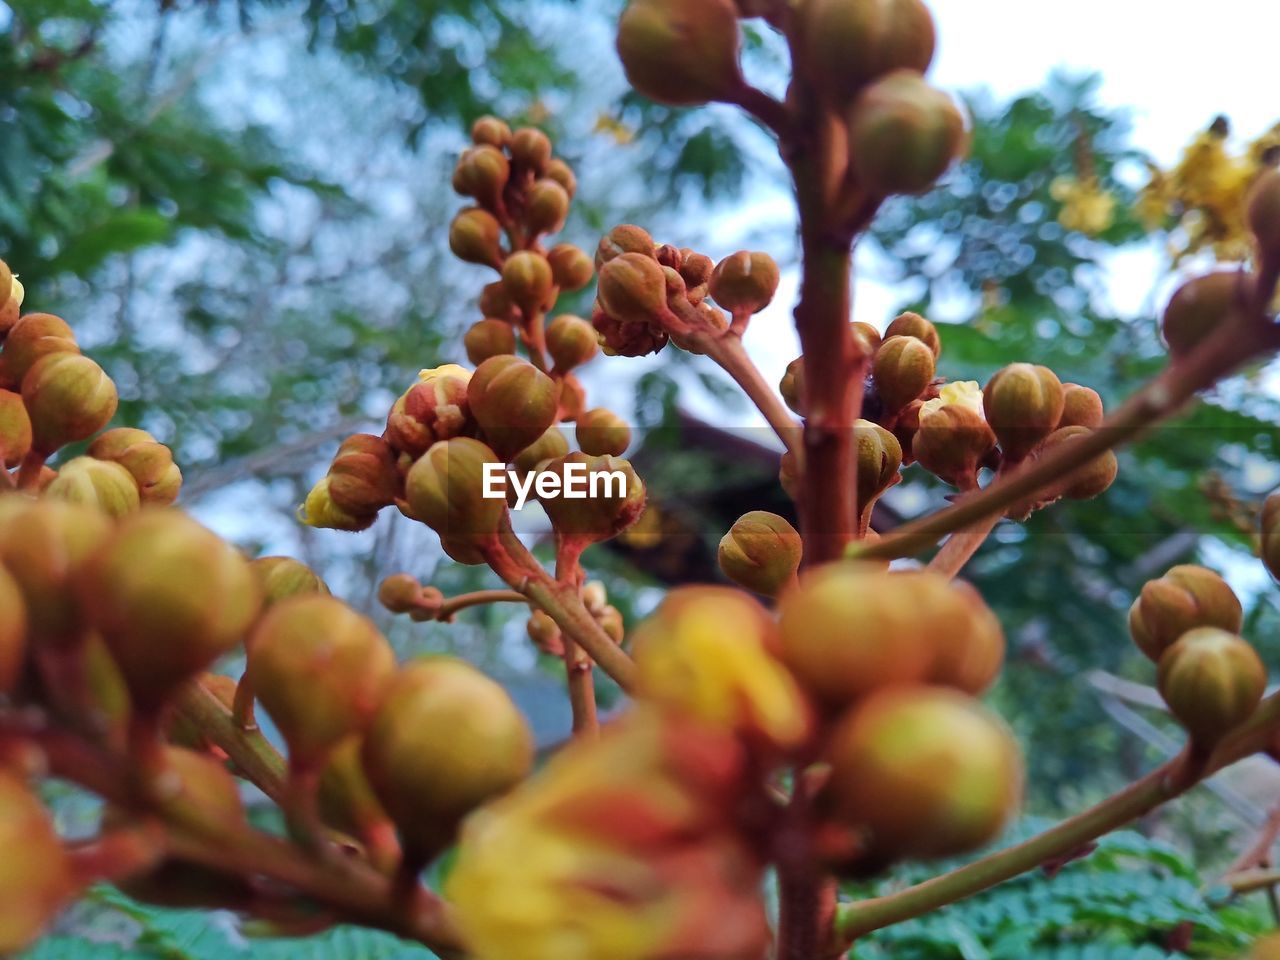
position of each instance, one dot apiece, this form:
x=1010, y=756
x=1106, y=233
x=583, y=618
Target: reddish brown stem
x=577, y=666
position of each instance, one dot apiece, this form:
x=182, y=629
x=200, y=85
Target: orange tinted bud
x=513, y=401
x=1263, y=211
x=363, y=478
x=550, y=445
x=1203, y=306
x=571, y=268
x=197, y=792
x=320, y=511
x=544, y=633
x=531, y=149
x=37, y=878
x=1023, y=403
x=1081, y=407
x=494, y=301
x=626, y=238
x=910, y=325
x=1183, y=599
x=602, y=432
x=970, y=659
x=31, y=338
x=435, y=408
x=614, y=498
x=13, y=631
x=879, y=461
x=547, y=207
x=482, y=173
x=1212, y=681
x=15, y=429
x=869, y=337
x=1094, y=479
x=848, y=43
x=681, y=53
x=573, y=397
x=283, y=577
x=904, y=135
x=527, y=277
x=169, y=597
x=625, y=339
x=148, y=462
x=1269, y=547
x=400, y=592
x=320, y=670
x=489, y=338
x=101, y=484
x=562, y=173
x=902, y=368
x=952, y=442
x=745, y=282
x=926, y=771
x=69, y=398
x=445, y=490
x=791, y=386
x=476, y=237
x=571, y=341
x=633, y=289
x=761, y=552
x=445, y=739
x=491, y=131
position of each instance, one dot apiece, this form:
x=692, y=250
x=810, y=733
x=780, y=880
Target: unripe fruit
x=280, y=578
x=445, y=490
x=879, y=461
x=13, y=631
x=1094, y=479
x=902, y=368
x=513, y=401
x=319, y=510
x=625, y=238
x=475, y=236
x=1263, y=211
x=169, y=597
x=492, y=131
x=1183, y=599
x=531, y=149
x=571, y=341
x=571, y=268
x=745, y=282
x=550, y=445
x=528, y=281
x=846, y=44
x=101, y=484
x=320, y=670
x=445, y=739
x=904, y=135
x=562, y=173
x=363, y=477
x=1202, y=307
x=615, y=500
x=1269, y=547
x=910, y=325
x=602, y=432
x=482, y=173
x=547, y=207
x=1023, y=403
x=149, y=463
x=489, y=338
x=761, y=552
x=681, y=52
x=1081, y=407
x=15, y=429
x=791, y=386
x=927, y=771
x=1212, y=681
x=32, y=337
x=35, y=877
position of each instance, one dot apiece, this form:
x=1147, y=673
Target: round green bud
x=31, y=338
x=528, y=281
x=602, y=432
x=761, y=552
x=1185, y=598
x=1212, y=681
x=489, y=338
x=102, y=484
x=1023, y=403
x=69, y=398
x=15, y=429
x=846, y=44
x=547, y=207
x=902, y=368
x=571, y=341
x=903, y=135
x=745, y=282
x=283, y=577
x=513, y=401
x=445, y=489
x=681, y=52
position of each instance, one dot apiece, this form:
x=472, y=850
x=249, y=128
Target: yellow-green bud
x=31, y=338
x=148, y=462
x=513, y=401
x=1269, y=547
x=491, y=131
x=476, y=237
x=482, y=173
x=1092, y=480
x=903, y=135
x=1081, y=407
x=1186, y=597
x=528, y=281
x=1202, y=307
x=197, y=792
x=1212, y=681
x=902, y=368
x=602, y=432
x=745, y=282
x=445, y=739
x=633, y=289
x=69, y=398
x=625, y=238
x=879, y=462
x=489, y=338
x=550, y=445
x=1024, y=404
x=15, y=429
x=283, y=577
x=571, y=268
x=791, y=386
x=531, y=149
x=1263, y=208
x=445, y=490
x=321, y=511
x=546, y=207
x=910, y=325
x=869, y=338
x=681, y=52
x=761, y=552
x=102, y=484
x=845, y=44
x=13, y=631
x=320, y=670
x=615, y=497
x=37, y=879
x=571, y=341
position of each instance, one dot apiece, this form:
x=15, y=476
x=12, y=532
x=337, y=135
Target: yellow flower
x=445, y=370
x=615, y=128
x=18, y=291
x=959, y=393
x=1086, y=207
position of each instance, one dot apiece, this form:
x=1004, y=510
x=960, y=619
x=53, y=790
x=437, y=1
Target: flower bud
x=952, y=441
x=970, y=661
x=869, y=338
x=363, y=478
x=571, y=268
x=475, y=236
x=31, y=338
x=1023, y=404
x=1201, y=307
x=69, y=398
x=625, y=339
x=101, y=484
x=904, y=135
x=348, y=804
x=573, y=398
x=431, y=410
x=445, y=489
x=13, y=632
x=280, y=578
x=789, y=475
x=444, y=740
x=745, y=282
x=791, y=386
x=320, y=511
x=491, y=131
x=928, y=772
x=562, y=173
x=571, y=341
x=37, y=878
x=1092, y=480
x=1212, y=681
x=913, y=325
x=546, y=207
x=879, y=462
x=320, y=670
x=15, y=429
x=494, y=301
x=531, y=149
x=602, y=432
x=489, y=338
x=1183, y=599
x=845, y=44
x=550, y=445
x=482, y=174
x=545, y=634
x=513, y=401
x=633, y=288
x=198, y=793
x=696, y=268
x=681, y=53
x=1269, y=546
x=1263, y=211
x=902, y=368
x=1081, y=407
x=528, y=280
x=626, y=238
x=149, y=463
x=169, y=597
x=761, y=552
x=614, y=496
x=400, y=592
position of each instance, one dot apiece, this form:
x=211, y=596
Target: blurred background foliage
x=242, y=205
